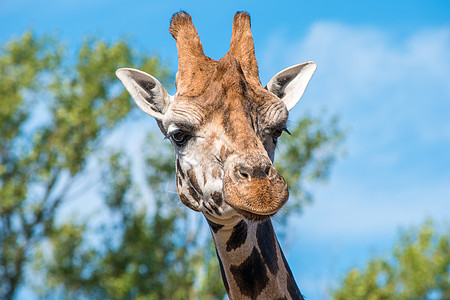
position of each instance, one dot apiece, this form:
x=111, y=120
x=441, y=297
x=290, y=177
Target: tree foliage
x=148, y=250
x=307, y=155
x=54, y=116
x=142, y=242
x=418, y=268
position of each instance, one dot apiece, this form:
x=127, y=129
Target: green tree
x=418, y=268
x=53, y=117
x=143, y=243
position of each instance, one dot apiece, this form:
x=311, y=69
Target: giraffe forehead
x=228, y=94
x=231, y=113
x=186, y=113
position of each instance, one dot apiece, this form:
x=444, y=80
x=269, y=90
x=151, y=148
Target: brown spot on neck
x=251, y=275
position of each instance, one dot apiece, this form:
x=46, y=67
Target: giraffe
x=224, y=127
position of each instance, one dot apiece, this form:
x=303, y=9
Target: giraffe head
x=222, y=122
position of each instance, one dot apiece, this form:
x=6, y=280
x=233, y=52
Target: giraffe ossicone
x=224, y=126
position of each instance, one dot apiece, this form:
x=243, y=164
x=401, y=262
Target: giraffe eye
x=275, y=135
x=180, y=138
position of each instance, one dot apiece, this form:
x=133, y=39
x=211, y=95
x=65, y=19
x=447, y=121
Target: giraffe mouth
x=253, y=216
x=257, y=200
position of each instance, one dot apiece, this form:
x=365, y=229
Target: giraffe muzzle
x=254, y=188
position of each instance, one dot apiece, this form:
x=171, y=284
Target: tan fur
x=230, y=92
x=242, y=46
x=193, y=64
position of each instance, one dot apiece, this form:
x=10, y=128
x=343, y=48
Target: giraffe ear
x=146, y=90
x=290, y=84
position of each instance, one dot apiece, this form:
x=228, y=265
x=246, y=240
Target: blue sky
x=383, y=68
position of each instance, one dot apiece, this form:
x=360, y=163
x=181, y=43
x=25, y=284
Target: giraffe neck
x=251, y=261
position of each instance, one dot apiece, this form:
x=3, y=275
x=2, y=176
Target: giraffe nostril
x=261, y=169
x=243, y=171
x=243, y=174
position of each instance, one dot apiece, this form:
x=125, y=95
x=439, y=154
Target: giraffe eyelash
x=276, y=133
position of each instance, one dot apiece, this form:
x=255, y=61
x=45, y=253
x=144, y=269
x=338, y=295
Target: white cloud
x=370, y=74
x=393, y=91
x=361, y=61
